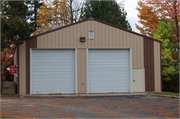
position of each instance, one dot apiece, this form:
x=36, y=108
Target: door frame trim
x=30, y=71
x=130, y=63
x=87, y=62
x=76, y=86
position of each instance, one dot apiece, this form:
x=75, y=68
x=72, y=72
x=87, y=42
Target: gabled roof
x=97, y=21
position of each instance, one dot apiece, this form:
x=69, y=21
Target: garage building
x=89, y=56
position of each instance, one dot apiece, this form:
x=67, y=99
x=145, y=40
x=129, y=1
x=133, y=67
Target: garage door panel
x=48, y=85
x=106, y=81
x=55, y=79
x=53, y=61
x=53, y=71
x=100, y=60
x=65, y=53
x=109, y=71
x=118, y=67
x=51, y=91
x=95, y=77
x=53, y=64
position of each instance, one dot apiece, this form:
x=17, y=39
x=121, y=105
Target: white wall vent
x=91, y=34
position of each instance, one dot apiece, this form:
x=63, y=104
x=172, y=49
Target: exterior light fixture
x=82, y=39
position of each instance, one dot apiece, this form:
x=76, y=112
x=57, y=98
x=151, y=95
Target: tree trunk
x=71, y=11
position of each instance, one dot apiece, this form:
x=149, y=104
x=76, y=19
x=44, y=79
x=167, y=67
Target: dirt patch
x=95, y=110
x=15, y=115
x=107, y=115
x=172, y=102
x=132, y=114
x=63, y=114
x=150, y=117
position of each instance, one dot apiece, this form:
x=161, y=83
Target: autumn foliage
x=6, y=59
x=52, y=13
x=151, y=11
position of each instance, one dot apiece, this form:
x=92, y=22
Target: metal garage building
x=89, y=56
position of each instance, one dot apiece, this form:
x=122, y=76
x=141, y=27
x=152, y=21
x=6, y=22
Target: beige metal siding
x=157, y=73
x=15, y=63
x=81, y=71
x=22, y=67
x=105, y=37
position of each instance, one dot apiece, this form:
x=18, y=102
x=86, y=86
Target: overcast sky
x=130, y=8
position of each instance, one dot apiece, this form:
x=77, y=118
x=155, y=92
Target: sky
x=130, y=8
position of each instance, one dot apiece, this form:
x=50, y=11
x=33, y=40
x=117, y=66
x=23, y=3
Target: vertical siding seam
x=18, y=69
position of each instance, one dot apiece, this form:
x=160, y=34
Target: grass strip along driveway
x=90, y=107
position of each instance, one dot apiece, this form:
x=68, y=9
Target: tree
x=108, y=11
x=52, y=13
x=14, y=28
x=33, y=6
x=151, y=11
x=75, y=7
x=14, y=25
x=164, y=33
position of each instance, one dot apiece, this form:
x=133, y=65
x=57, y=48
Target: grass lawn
x=165, y=93
x=4, y=117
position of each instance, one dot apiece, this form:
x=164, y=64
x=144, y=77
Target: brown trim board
x=18, y=69
x=161, y=69
x=30, y=43
x=149, y=64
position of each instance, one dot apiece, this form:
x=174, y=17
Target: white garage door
x=109, y=71
x=52, y=71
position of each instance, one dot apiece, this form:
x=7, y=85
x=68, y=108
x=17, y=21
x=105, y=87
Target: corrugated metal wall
x=157, y=66
x=143, y=50
x=22, y=68
x=82, y=70
x=30, y=43
x=149, y=64
x=105, y=37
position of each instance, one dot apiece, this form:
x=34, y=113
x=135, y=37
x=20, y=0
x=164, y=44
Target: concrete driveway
x=93, y=107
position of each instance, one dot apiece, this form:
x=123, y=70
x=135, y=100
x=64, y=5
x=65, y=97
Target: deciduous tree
x=164, y=33
x=14, y=28
x=151, y=11
x=52, y=13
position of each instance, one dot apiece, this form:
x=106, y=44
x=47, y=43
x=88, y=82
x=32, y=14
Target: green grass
x=166, y=93
x=10, y=95
x=4, y=117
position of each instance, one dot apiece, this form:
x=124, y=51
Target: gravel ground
x=90, y=107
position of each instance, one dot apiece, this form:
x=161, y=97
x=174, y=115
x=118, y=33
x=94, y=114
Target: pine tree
x=108, y=11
